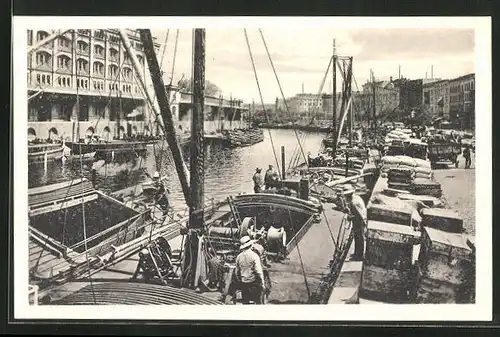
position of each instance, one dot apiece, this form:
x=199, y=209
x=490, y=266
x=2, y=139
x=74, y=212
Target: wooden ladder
x=235, y=213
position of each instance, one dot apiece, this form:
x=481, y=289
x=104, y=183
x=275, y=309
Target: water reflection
x=227, y=171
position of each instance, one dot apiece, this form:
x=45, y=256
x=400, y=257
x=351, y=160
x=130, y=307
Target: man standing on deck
x=268, y=178
x=257, y=180
x=249, y=272
x=160, y=196
x=358, y=217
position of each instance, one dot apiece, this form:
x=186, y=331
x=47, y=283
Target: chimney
x=302, y=87
x=432, y=71
x=390, y=79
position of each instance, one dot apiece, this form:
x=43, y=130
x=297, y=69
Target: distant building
x=462, y=100
x=436, y=98
x=93, y=65
x=305, y=104
x=387, y=96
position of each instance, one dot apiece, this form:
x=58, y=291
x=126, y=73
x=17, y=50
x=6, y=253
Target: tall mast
x=165, y=119
x=334, y=97
x=196, y=159
x=77, y=110
x=374, y=123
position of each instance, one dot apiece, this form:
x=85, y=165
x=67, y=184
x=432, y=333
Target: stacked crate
x=447, y=262
x=392, y=246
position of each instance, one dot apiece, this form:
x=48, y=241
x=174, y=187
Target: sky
x=302, y=56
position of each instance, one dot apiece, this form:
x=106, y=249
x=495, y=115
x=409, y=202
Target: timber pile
x=416, y=250
x=243, y=137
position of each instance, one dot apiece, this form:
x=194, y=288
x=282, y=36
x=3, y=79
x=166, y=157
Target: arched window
x=82, y=47
x=113, y=54
x=63, y=62
x=127, y=74
x=40, y=35
x=112, y=71
x=64, y=43
x=99, y=50
x=82, y=65
x=98, y=69
x=43, y=59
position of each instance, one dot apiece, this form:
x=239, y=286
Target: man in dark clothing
x=358, y=216
x=257, y=180
x=269, y=177
x=467, y=157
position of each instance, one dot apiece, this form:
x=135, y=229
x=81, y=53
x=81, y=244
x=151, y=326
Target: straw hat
x=246, y=242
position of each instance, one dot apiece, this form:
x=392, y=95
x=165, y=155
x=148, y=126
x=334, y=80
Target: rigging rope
x=164, y=48
x=300, y=257
x=296, y=154
x=175, y=54
x=281, y=90
x=260, y=94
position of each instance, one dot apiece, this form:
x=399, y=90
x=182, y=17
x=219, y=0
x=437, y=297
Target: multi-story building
x=462, y=101
x=85, y=75
x=387, y=96
x=305, y=104
x=436, y=98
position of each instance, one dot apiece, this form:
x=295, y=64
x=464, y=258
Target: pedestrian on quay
x=467, y=155
x=358, y=216
x=249, y=273
x=257, y=180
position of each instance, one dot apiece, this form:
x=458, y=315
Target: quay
x=436, y=281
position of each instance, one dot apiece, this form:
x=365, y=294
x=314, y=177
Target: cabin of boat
x=116, y=146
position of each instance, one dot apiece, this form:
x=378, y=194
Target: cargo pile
x=416, y=248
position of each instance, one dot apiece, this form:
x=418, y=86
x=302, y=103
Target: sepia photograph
x=309, y=164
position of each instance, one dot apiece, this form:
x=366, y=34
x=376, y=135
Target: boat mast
x=334, y=97
x=77, y=107
x=196, y=217
x=165, y=119
x=374, y=123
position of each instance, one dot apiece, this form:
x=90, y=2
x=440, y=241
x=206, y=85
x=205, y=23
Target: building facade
x=462, y=101
x=436, y=98
x=387, y=97
x=85, y=75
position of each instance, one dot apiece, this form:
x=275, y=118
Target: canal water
x=227, y=171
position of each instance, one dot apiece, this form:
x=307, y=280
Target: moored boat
x=40, y=153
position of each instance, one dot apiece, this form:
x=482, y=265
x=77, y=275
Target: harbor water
x=227, y=171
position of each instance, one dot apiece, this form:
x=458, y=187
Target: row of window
x=82, y=65
x=64, y=43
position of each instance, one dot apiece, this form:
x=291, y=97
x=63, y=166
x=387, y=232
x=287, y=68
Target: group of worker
x=268, y=182
x=252, y=264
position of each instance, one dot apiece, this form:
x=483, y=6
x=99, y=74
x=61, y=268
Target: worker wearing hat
x=358, y=217
x=257, y=180
x=160, y=196
x=249, y=272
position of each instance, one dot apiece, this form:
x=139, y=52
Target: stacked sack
x=420, y=167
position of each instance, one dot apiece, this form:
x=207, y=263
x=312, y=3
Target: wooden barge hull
x=114, y=146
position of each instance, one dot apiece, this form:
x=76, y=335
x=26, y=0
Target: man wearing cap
x=359, y=220
x=269, y=178
x=249, y=272
x=257, y=180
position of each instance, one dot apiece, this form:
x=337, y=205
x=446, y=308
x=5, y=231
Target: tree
x=211, y=89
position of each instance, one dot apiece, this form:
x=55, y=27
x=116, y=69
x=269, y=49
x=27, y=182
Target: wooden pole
x=165, y=119
x=197, y=126
x=195, y=226
x=334, y=97
x=283, y=176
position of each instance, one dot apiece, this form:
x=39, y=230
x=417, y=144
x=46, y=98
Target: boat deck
x=310, y=256
x=315, y=250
